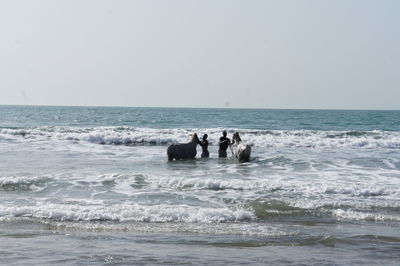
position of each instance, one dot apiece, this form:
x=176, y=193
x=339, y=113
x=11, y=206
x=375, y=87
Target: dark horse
x=183, y=150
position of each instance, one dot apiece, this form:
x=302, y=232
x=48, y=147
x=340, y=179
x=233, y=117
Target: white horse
x=183, y=150
x=243, y=151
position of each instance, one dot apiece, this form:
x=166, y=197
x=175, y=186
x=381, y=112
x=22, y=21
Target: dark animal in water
x=242, y=151
x=183, y=150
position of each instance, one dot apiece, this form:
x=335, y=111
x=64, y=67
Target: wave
x=23, y=183
x=273, y=185
x=133, y=182
x=262, y=138
x=353, y=215
x=323, y=211
x=185, y=214
x=213, y=184
x=242, y=229
x=131, y=212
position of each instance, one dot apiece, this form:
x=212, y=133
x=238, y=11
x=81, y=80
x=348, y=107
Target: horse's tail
x=248, y=152
x=169, y=153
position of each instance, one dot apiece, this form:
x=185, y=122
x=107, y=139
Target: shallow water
x=91, y=185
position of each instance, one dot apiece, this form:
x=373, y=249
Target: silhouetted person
x=224, y=142
x=204, y=146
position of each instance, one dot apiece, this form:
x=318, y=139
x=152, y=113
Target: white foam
x=260, y=138
x=11, y=180
x=212, y=183
x=367, y=216
x=128, y=212
x=390, y=163
x=34, y=183
x=353, y=189
x=274, y=183
x=243, y=229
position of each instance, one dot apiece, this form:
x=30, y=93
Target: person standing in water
x=224, y=142
x=204, y=146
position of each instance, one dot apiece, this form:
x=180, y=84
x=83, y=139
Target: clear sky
x=340, y=54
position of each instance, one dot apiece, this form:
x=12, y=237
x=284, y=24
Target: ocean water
x=92, y=186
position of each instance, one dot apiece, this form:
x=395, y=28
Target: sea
x=93, y=186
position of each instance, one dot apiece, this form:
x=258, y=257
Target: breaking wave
x=21, y=183
x=128, y=212
x=264, y=138
x=353, y=215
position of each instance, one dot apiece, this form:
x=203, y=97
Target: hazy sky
x=257, y=54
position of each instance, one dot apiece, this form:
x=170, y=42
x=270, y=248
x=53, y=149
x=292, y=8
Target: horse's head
x=195, y=138
x=236, y=137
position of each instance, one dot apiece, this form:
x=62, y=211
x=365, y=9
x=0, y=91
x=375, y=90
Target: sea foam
x=128, y=212
x=262, y=138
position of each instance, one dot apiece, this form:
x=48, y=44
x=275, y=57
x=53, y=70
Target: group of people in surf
x=224, y=143
x=181, y=151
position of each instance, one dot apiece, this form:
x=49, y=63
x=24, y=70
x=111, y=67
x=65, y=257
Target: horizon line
x=186, y=107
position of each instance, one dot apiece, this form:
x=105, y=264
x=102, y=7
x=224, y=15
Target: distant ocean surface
x=92, y=186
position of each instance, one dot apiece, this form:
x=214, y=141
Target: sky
x=308, y=54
